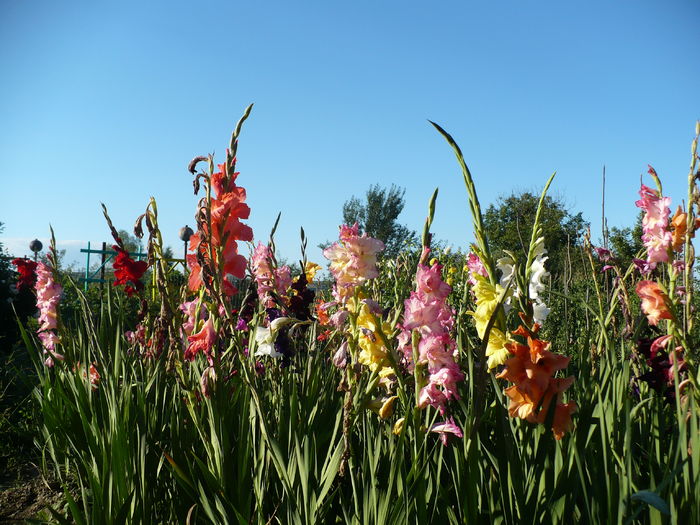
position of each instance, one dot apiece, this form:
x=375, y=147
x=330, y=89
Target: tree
x=508, y=225
x=626, y=243
x=377, y=216
x=131, y=242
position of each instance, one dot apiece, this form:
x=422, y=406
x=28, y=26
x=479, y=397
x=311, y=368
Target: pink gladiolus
x=189, y=308
x=656, y=237
x=48, y=295
x=447, y=427
x=430, y=285
x=426, y=311
x=269, y=280
x=476, y=267
x=353, y=260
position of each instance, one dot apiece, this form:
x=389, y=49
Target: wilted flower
x=446, y=427
x=207, y=381
x=340, y=358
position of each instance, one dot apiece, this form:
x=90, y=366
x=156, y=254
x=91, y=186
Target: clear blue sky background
x=108, y=102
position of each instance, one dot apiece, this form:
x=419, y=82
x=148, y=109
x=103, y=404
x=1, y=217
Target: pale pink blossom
x=338, y=318
x=430, y=286
x=657, y=237
x=353, y=260
x=48, y=295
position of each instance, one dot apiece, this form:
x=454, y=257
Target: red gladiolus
x=128, y=272
x=27, y=273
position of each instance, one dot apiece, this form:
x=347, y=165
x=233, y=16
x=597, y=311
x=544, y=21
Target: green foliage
x=626, y=243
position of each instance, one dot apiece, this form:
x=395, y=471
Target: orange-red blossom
x=228, y=207
x=531, y=369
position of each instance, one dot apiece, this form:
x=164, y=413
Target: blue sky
x=108, y=103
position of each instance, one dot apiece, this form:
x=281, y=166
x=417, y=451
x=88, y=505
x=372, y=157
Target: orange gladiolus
x=531, y=369
x=679, y=223
x=654, y=301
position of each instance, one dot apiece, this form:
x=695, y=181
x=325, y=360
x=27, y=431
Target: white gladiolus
x=538, y=274
x=265, y=339
x=506, y=266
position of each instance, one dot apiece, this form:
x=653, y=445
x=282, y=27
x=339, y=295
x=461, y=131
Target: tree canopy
x=508, y=224
x=377, y=215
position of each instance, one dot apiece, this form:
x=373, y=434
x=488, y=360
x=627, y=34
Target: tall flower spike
x=427, y=314
x=656, y=237
x=48, y=296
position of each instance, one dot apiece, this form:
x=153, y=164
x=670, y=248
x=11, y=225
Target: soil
x=25, y=494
